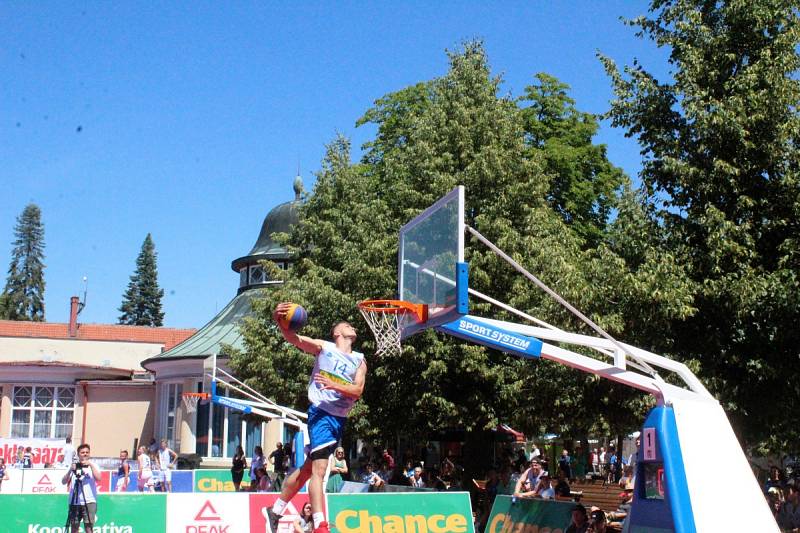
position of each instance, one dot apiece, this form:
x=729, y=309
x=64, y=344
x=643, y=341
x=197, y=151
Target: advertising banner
x=43, y=451
x=403, y=512
x=214, y=481
x=549, y=516
x=259, y=503
x=118, y=514
x=43, y=481
x=208, y=513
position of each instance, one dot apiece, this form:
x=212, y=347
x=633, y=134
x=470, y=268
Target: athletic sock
x=318, y=519
x=278, y=506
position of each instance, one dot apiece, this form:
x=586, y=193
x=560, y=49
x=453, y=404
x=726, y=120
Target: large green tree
x=23, y=296
x=430, y=137
x=719, y=138
x=584, y=185
x=141, y=303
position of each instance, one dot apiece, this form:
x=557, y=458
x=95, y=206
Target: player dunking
x=337, y=381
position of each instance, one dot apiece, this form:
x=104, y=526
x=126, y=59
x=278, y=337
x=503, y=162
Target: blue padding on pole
x=462, y=288
x=299, y=449
x=675, y=471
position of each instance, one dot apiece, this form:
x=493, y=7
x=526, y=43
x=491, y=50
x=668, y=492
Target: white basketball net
x=190, y=402
x=386, y=326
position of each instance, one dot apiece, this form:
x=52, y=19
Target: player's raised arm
x=307, y=344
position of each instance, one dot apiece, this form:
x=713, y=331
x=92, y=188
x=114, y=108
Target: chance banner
x=402, y=512
x=215, y=481
x=544, y=516
x=47, y=513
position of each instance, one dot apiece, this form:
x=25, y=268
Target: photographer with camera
x=82, y=480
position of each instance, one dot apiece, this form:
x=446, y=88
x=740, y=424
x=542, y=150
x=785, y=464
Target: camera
x=79, y=472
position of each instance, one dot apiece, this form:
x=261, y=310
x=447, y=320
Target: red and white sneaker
x=323, y=528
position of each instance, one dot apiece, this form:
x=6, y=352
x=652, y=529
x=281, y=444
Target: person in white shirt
x=166, y=459
x=82, y=480
x=416, y=479
x=69, y=453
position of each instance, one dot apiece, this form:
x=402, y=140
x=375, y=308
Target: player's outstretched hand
x=280, y=312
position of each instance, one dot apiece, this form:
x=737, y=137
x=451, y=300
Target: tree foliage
x=23, y=296
x=141, y=303
x=584, y=185
x=432, y=136
x=720, y=173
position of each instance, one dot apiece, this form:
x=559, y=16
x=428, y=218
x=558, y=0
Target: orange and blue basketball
x=295, y=318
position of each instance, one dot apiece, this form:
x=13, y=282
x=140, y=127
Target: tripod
x=78, y=511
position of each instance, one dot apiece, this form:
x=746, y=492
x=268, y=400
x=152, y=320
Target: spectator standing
x=238, y=466
x=255, y=464
x=337, y=469
x=123, y=472
x=27, y=458
x=166, y=458
x=69, y=453
x=431, y=455
x=417, y=480
x=19, y=458
x=3, y=473
x=580, y=520
x=535, y=452
x=594, y=459
x=387, y=457
x=565, y=464
x=278, y=460
x=145, y=478
x=603, y=461
x=153, y=447
x=521, y=460
x=634, y=456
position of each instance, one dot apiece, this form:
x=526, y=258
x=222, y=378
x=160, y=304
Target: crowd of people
x=783, y=495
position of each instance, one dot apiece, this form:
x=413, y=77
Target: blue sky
x=188, y=120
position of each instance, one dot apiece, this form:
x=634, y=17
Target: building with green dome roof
x=214, y=431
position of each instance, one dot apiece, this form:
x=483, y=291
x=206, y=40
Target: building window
x=171, y=398
x=225, y=429
x=243, y=277
x=257, y=274
x=42, y=412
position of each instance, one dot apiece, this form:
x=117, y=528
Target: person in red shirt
x=387, y=456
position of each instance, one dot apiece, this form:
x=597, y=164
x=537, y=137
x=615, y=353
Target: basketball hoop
x=191, y=399
x=387, y=318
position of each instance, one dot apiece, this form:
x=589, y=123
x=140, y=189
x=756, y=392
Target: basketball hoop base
x=387, y=318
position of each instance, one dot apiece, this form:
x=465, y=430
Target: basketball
x=295, y=318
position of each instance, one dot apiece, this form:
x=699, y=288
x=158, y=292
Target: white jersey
x=145, y=461
x=165, y=458
x=339, y=367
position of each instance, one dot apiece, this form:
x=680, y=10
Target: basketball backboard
x=431, y=268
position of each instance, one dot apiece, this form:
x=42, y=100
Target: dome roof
x=279, y=220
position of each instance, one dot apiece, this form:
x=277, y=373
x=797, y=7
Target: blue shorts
x=324, y=430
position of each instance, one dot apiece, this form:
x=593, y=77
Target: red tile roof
x=169, y=337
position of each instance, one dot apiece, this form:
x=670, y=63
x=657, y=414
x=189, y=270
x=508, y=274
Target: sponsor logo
x=350, y=521
x=40, y=455
x=227, y=402
x=494, y=335
x=502, y=523
x=111, y=527
x=210, y=484
x=44, y=486
x=210, y=520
